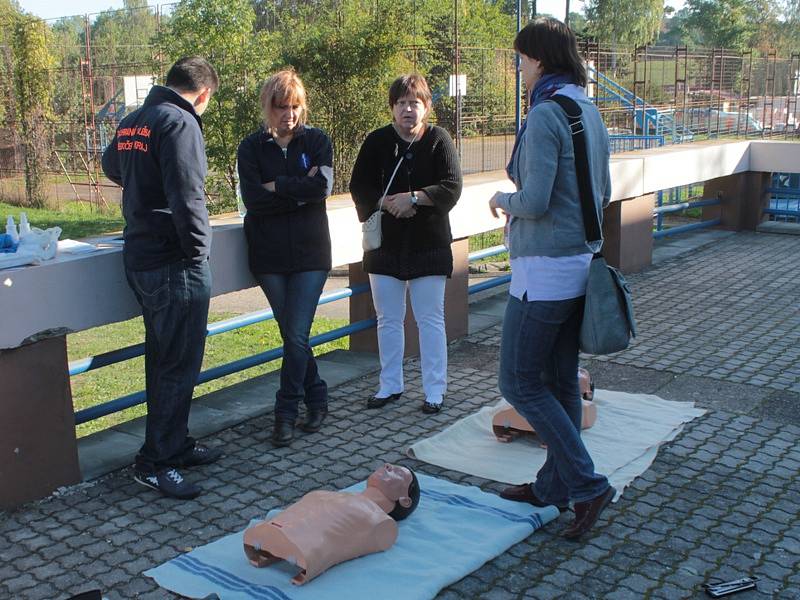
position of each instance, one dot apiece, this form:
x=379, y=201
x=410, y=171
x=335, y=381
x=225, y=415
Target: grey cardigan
x=546, y=208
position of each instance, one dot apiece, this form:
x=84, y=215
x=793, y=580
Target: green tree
x=789, y=27
x=579, y=24
x=223, y=31
x=125, y=36
x=723, y=23
x=9, y=13
x=625, y=23
x=347, y=53
x=32, y=90
x=485, y=33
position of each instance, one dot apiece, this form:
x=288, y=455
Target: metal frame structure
x=674, y=92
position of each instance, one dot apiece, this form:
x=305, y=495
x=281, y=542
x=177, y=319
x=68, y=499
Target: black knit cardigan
x=420, y=245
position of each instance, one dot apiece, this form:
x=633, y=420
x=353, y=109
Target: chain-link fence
x=104, y=64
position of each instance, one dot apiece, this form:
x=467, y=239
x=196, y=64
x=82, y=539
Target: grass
x=487, y=240
x=102, y=385
x=76, y=219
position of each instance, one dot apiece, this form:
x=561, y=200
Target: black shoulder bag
x=608, y=321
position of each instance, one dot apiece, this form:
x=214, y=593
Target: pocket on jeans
x=152, y=287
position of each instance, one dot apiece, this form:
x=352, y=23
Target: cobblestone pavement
x=721, y=500
x=730, y=311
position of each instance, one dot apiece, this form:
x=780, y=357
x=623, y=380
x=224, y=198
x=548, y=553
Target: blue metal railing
x=494, y=281
x=673, y=207
x=116, y=356
x=627, y=143
x=685, y=228
x=784, y=202
x=131, y=400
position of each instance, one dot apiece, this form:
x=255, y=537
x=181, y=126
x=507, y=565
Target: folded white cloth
x=75, y=247
x=622, y=443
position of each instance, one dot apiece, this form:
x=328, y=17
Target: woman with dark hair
x=550, y=260
x=285, y=176
x=415, y=251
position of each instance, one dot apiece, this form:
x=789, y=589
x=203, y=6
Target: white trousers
x=427, y=303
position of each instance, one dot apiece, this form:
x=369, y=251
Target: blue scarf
x=543, y=89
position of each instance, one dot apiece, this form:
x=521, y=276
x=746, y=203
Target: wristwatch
x=414, y=199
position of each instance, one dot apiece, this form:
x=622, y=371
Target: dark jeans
x=174, y=300
x=293, y=298
x=539, y=378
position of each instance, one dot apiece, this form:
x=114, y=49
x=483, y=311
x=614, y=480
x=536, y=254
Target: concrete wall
x=75, y=293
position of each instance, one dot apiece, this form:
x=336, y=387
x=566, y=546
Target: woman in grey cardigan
x=549, y=267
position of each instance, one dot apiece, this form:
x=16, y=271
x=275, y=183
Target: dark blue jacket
x=287, y=230
x=158, y=157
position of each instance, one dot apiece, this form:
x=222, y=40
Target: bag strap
x=573, y=113
x=397, y=166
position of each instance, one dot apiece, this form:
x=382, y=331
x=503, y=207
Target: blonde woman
x=286, y=175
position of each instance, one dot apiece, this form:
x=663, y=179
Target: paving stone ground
x=719, y=326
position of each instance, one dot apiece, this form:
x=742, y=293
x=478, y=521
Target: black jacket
x=287, y=230
x=158, y=157
x=420, y=245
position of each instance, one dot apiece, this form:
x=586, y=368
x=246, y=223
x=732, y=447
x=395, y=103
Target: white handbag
x=371, y=232
x=371, y=235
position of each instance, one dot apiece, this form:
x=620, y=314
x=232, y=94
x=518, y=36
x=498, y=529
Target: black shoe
x=314, y=419
x=200, y=455
x=429, y=408
x=282, y=433
x=381, y=402
x=169, y=482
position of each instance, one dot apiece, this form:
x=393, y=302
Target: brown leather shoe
x=586, y=513
x=524, y=493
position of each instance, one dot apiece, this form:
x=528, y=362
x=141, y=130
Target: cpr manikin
x=508, y=423
x=325, y=528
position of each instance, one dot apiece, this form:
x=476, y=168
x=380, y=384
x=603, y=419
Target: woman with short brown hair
x=415, y=251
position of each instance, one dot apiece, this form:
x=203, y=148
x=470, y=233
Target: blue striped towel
x=454, y=531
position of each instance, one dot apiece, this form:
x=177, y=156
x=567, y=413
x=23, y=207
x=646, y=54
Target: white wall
x=76, y=293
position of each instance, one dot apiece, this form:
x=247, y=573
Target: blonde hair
x=284, y=87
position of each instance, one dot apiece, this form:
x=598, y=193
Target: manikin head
x=398, y=484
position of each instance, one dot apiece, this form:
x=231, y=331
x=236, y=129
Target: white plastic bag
x=35, y=247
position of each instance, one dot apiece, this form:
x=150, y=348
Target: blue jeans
x=293, y=298
x=539, y=378
x=174, y=300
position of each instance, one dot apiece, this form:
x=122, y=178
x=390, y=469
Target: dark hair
x=553, y=44
x=401, y=512
x=412, y=84
x=192, y=74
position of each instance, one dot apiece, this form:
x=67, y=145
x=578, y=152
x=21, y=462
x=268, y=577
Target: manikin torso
x=322, y=529
x=508, y=424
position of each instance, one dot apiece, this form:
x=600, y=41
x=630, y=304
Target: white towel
x=622, y=443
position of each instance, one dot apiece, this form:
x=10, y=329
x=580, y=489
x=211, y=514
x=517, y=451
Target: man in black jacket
x=158, y=157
